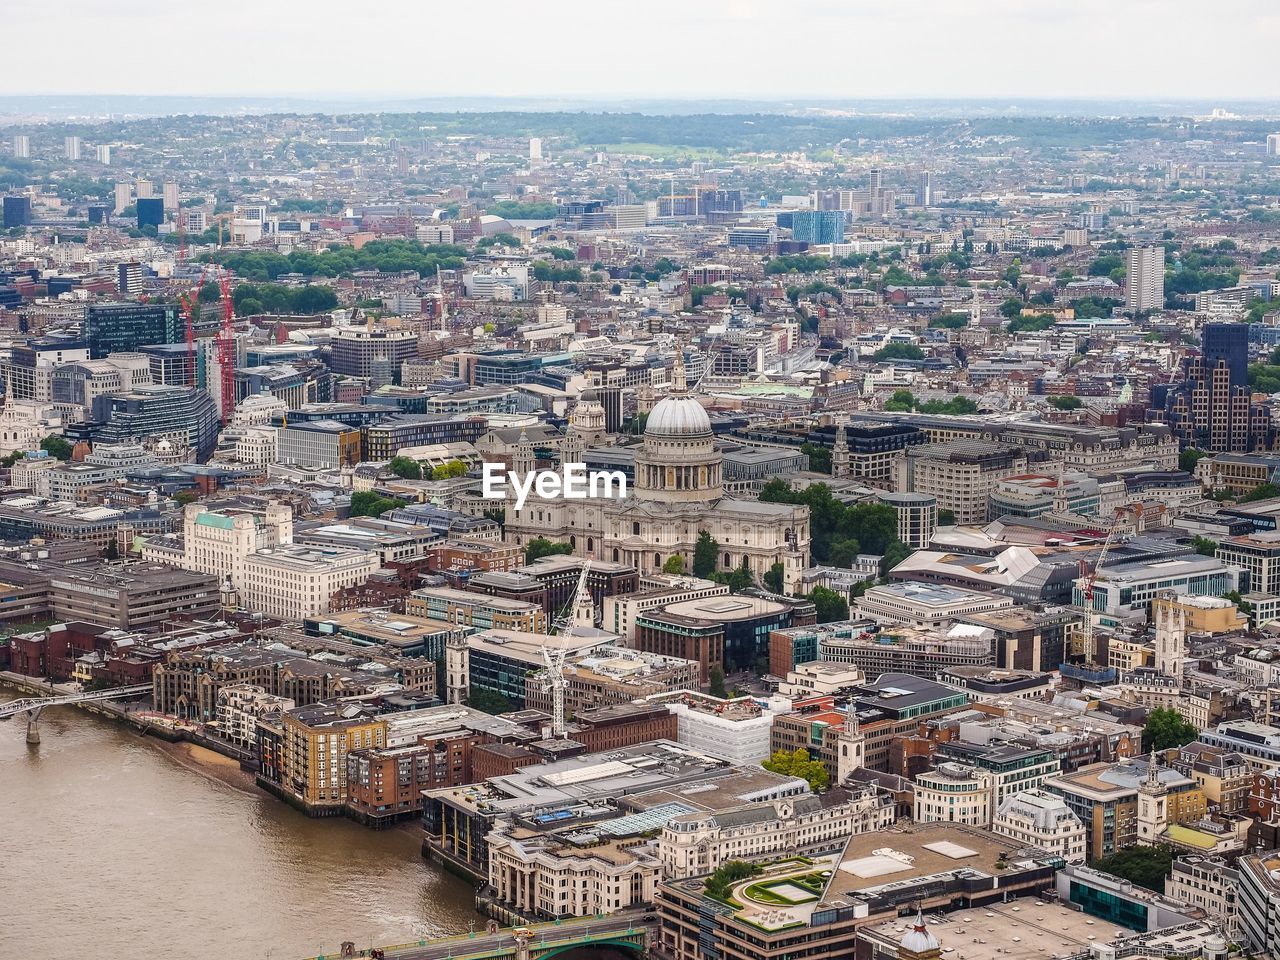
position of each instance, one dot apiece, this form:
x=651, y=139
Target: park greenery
x=796, y=763
x=251, y=299
x=1166, y=729
x=1145, y=866
x=540, y=547
x=366, y=503
x=841, y=532
x=388, y=256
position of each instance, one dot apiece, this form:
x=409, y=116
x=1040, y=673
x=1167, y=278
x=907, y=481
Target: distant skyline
x=740, y=49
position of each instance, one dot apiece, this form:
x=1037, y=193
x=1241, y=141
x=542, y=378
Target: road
x=465, y=945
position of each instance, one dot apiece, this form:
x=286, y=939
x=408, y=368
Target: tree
x=184, y=497
x=366, y=503
x=773, y=578
x=819, y=457
x=705, y=554
x=1041, y=321
x=830, y=605
x=56, y=446
x=1066, y=403
x=715, y=677
x=488, y=701
x=902, y=401
x=449, y=471
x=674, y=564
x=112, y=552
x=1166, y=729
x=797, y=764
x=1265, y=491
x=722, y=881
x=541, y=547
x=406, y=468
x=1189, y=457
x=946, y=518
x=1204, y=546
x=899, y=351
x=12, y=458
x=1145, y=866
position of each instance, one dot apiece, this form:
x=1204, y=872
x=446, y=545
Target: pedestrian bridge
x=623, y=932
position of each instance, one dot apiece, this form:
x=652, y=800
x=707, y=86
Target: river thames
x=116, y=847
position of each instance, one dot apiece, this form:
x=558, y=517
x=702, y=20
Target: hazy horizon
x=723, y=49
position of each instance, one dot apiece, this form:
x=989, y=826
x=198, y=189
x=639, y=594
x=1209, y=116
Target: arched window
x=615, y=555
x=573, y=542
x=591, y=544
x=728, y=563
x=657, y=559
x=635, y=528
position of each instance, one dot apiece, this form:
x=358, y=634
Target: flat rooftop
x=1025, y=929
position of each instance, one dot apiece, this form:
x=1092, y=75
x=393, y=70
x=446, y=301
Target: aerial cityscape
x=564, y=513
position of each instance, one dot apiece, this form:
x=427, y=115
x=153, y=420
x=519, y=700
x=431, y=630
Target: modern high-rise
x=186, y=417
x=22, y=147
x=104, y=154
x=535, y=148
x=1144, y=281
x=818, y=226
x=124, y=193
x=145, y=189
x=169, y=193
x=71, y=147
x=123, y=327
x=129, y=279
x=150, y=211
x=1273, y=145
x=17, y=211
x=356, y=351
x=1212, y=407
x=924, y=189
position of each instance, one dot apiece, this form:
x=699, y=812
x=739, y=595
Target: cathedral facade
x=678, y=493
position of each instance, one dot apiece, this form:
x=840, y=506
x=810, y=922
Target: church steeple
x=678, y=382
x=1153, y=804
x=840, y=455
x=525, y=460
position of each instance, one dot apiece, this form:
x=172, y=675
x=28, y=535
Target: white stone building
x=695, y=844
x=241, y=705
x=1042, y=819
x=294, y=582
x=954, y=793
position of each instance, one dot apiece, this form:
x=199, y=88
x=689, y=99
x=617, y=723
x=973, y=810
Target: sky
x=756, y=49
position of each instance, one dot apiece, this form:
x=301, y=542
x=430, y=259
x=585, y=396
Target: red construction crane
x=1086, y=591
x=227, y=346
x=189, y=303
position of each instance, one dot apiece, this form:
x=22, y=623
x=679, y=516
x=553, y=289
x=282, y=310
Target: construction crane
x=583, y=614
x=1136, y=509
x=227, y=346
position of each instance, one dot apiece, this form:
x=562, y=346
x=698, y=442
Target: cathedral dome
x=678, y=416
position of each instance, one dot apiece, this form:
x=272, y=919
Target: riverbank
x=195, y=867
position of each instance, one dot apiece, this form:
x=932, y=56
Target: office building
x=817, y=226
x=185, y=417
x=1211, y=408
x=71, y=148
x=17, y=212
x=292, y=581
x=1144, y=279
x=132, y=596
x=917, y=517
x=954, y=793
x=360, y=351
x=21, y=147
x=123, y=327
x=1039, y=819
x=960, y=475
x=150, y=211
